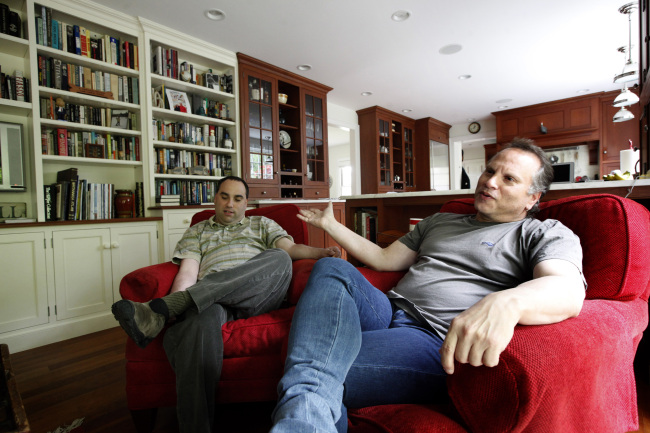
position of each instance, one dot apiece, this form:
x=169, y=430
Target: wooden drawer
x=315, y=192
x=179, y=220
x=263, y=192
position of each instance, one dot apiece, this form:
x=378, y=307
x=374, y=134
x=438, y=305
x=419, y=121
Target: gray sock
x=177, y=303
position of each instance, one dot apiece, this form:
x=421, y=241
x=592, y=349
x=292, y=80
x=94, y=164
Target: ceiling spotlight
x=304, y=67
x=625, y=98
x=366, y=93
x=582, y=91
x=406, y=110
x=400, y=16
x=464, y=77
x=502, y=107
x=622, y=115
x=215, y=14
x=450, y=49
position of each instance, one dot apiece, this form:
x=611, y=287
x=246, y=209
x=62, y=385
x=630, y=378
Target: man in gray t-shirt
x=471, y=279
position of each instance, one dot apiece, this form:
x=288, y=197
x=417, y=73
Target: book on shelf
x=366, y=223
x=4, y=18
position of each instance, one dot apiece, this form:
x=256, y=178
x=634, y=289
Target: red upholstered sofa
x=574, y=376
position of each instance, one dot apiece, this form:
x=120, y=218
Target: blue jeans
x=350, y=347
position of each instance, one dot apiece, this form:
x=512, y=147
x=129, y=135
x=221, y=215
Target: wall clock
x=474, y=127
x=285, y=140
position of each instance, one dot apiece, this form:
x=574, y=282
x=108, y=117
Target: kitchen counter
x=575, y=188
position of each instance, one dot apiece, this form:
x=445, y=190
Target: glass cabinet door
x=384, y=153
x=409, y=163
x=260, y=129
x=315, y=139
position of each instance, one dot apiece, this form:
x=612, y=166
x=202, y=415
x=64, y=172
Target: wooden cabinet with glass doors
x=387, y=151
x=284, y=151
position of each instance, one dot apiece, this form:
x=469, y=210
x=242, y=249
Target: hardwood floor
x=84, y=377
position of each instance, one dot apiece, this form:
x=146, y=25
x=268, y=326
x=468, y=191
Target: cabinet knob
x=187, y=221
x=317, y=192
x=604, y=151
x=107, y=246
x=115, y=245
x=263, y=192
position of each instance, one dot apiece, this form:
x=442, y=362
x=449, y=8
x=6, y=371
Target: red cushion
x=402, y=418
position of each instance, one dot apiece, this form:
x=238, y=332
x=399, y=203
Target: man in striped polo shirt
x=231, y=267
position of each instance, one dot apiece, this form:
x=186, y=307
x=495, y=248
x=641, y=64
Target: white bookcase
x=66, y=275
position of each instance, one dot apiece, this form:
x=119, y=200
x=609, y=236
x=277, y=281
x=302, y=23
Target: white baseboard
x=36, y=336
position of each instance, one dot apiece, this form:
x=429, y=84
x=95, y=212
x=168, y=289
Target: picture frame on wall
x=178, y=101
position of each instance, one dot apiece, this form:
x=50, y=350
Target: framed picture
x=178, y=101
x=120, y=119
x=94, y=150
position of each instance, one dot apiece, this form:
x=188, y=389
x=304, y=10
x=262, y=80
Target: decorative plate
x=285, y=140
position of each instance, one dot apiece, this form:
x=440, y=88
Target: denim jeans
x=194, y=344
x=350, y=347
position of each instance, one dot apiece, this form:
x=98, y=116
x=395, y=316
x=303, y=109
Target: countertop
x=599, y=184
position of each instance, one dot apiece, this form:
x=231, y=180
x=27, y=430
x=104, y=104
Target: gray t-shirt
x=461, y=260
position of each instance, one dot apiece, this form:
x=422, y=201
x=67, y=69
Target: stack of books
x=170, y=200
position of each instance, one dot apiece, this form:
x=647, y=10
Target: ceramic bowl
x=282, y=97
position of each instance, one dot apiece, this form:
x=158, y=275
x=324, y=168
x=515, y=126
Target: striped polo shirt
x=218, y=247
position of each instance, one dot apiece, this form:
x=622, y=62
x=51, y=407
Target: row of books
x=190, y=192
x=169, y=161
x=87, y=115
x=10, y=22
x=165, y=62
x=90, y=144
x=56, y=74
x=164, y=97
x=14, y=87
x=79, y=40
x=365, y=223
x=188, y=133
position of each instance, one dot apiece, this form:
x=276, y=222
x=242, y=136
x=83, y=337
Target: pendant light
x=631, y=69
x=625, y=98
x=622, y=115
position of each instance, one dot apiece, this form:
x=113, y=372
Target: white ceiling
x=528, y=51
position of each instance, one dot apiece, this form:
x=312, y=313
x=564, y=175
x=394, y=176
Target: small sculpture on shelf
x=60, y=109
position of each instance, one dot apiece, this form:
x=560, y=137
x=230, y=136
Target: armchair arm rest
x=147, y=283
x=558, y=377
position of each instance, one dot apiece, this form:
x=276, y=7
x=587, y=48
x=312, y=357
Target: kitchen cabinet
x=23, y=292
x=388, y=151
x=615, y=136
x=284, y=142
x=176, y=222
x=89, y=264
x=427, y=130
x=567, y=121
x=59, y=281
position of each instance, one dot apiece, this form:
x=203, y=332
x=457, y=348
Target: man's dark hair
x=543, y=177
x=236, y=179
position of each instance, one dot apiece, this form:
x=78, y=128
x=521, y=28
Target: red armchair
x=572, y=376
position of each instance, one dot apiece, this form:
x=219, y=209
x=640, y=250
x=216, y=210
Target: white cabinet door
x=82, y=272
x=175, y=224
x=132, y=248
x=23, y=291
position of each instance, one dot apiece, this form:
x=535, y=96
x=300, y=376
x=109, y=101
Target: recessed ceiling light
x=503, y=101
x=406, y=110
x=464, y=77
x=450, y=49
x=502, y=107
x=471, y=119
x=366, y=93
x=215, y=14
x=400, y=16
x=583, y=91
x=304, y=67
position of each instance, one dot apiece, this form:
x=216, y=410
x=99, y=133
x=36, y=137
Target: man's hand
x=479, y=334
x=332, y=252
x=318, y=218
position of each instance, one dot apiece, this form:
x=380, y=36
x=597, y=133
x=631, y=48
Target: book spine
x=62, y=141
